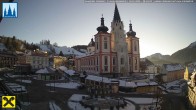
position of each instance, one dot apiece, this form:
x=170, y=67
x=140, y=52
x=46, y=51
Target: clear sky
x=162, y=27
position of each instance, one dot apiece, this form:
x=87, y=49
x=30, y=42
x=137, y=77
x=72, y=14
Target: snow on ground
x=69, y=85
x=64, y=49
x=53, y=106
x=24, y=81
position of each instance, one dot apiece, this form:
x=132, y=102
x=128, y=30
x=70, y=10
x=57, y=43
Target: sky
x=161, y=27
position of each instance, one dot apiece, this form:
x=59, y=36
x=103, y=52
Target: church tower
x=118, y=43
x=133, y=50
x=102, y=49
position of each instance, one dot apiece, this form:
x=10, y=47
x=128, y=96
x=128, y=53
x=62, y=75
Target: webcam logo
x=10, y=10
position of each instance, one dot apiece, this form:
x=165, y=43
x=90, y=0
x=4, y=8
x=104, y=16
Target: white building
x=152, y=69
x=113, y=52
x=37, y=60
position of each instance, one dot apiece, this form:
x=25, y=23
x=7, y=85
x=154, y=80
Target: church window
x=97, y=45
x=121, y=61
x=135, y=46
x=105, y=45
x=105, y=68
x=97, y=61
x=106, y=60
x=114, y=61
x=129, y=61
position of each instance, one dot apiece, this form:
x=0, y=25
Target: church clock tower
x=118, y=43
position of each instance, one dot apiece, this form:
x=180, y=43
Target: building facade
x=172, y=72
x=192, y=91
x=7, y=59
x=37, y=60
x=114, y=52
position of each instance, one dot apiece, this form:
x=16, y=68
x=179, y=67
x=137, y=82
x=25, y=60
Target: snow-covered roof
x=70, y=72
x=45, y=70
x=173, y=67
x=63, y=68
x=123, y=83
x=99, y=79
x=136, y=84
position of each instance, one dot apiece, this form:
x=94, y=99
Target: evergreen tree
x=61, y=53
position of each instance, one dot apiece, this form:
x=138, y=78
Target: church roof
x=131, y=32
x=102, y=28
x=91, y=43
x=116, y=14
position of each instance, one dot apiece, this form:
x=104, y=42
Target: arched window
x=121, y=61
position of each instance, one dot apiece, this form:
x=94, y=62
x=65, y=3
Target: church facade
x=114, y=52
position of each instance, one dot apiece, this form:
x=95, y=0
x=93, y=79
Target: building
x=58, y=61
x=111, y=53
x=186, y=74
x=7, y=59
x=37, y=59
x=101, y=86
x=172, y=72
x=48, y=74
x=2, y=47
x=152, y=69
x=21, y=57
x=192, y=91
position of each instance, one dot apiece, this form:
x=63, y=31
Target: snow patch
x=70, y=85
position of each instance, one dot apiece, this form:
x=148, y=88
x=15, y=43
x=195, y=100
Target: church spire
x=116, y=14
x=102, y=28
x=131, y=32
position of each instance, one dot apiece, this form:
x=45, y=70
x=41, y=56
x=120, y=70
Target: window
x=97, y=61
x=97, y=46
x=114, y=61
x=105, y=45
x=106, y=60
x=129, y=61
x=121, y=61
x=105, y=68
x=135, y=46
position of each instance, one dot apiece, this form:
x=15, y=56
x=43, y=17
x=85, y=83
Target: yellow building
x=186, y=74
x=59, y=61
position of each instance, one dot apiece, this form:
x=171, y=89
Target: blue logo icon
x=10, y=10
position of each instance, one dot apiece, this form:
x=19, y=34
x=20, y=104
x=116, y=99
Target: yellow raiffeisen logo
x=8, y=101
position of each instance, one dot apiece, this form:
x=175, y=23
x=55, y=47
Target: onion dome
x=131, y=32
x=102, y=28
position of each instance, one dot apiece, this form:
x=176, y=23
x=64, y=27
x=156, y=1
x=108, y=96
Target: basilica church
x=115, y=52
